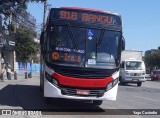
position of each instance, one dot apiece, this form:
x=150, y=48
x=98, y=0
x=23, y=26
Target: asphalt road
x=25, y=94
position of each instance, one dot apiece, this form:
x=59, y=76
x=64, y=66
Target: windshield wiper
x=72, y=37
x=101, y=37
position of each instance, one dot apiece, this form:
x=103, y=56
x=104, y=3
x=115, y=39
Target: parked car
x=148, y=74
x=155, y=75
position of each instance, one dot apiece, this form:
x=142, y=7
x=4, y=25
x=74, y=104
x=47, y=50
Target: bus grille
x=82, y=73
x=72, y=92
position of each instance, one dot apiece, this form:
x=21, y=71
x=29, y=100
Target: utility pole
x=44, y=14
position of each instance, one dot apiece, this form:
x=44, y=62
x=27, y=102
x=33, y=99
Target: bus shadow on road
x=29, y=97
x=128, y=84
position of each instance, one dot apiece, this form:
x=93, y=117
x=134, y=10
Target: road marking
x=146, y=98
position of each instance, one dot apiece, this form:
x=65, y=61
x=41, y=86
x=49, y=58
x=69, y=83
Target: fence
x=27, y=67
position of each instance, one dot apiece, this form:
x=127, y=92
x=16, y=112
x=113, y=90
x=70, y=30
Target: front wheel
x=41, y=84
x=47, y=100
x=97, y=102
x=139, y=83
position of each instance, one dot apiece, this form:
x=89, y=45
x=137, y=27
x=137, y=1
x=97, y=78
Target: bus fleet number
x=68, y=15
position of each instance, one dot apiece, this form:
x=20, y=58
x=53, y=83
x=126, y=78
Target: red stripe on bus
x=82, y=82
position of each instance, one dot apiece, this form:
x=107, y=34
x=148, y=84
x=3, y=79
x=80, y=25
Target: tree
x=153, y=60
x=25, y=46
x=18, y=10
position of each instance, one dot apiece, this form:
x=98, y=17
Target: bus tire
x=41, y=83
x=47, y=100
x=97, y=102
x=41, y=86
x=139, y=83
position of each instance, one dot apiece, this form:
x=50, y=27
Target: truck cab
x=132, y=71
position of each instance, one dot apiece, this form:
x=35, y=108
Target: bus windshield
x=135, y=65
x=85, y=47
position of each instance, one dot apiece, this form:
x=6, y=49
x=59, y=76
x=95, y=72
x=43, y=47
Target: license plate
x=82, y=92
x=135, y=80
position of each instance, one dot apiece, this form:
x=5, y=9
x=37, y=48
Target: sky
x=140, y=18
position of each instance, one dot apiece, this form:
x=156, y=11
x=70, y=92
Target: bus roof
x=85, y=15
x=89, y=9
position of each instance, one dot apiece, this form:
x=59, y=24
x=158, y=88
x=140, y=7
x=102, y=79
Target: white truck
x=132, y=68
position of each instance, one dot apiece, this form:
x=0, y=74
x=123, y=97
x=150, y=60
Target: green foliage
x=25, y=46
x=20, y=1
x=153, y=60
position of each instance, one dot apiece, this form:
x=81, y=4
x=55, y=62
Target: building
x=7, y=44
x=148, y=52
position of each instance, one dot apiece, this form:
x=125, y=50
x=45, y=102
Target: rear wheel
x=97, y=102
x=139, y=83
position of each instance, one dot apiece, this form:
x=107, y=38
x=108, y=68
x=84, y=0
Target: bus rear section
x=80, y=55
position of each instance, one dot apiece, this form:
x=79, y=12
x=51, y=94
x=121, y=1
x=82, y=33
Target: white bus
x=80, y=54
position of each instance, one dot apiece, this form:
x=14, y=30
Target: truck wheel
x=139, y=83
x=97, y=102
x=120, y=81
x=152, y=79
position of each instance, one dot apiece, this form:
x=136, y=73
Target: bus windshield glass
x=83, y=47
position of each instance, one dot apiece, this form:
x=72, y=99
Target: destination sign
x=85, y=16
x=57, y=56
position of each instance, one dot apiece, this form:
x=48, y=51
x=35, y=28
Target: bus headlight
x=109, y=86
x=51, y=79
x=112, y=84
x=115, y=82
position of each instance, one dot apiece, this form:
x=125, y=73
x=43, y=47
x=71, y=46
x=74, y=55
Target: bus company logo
x=55, y=56
x=6, y=112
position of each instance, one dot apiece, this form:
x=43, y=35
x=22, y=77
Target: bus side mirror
x=123, y=43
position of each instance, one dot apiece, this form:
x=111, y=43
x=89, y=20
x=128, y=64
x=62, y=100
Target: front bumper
x=52, y=91
x=133, y=79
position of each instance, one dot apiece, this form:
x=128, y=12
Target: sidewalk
x=20, y=76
